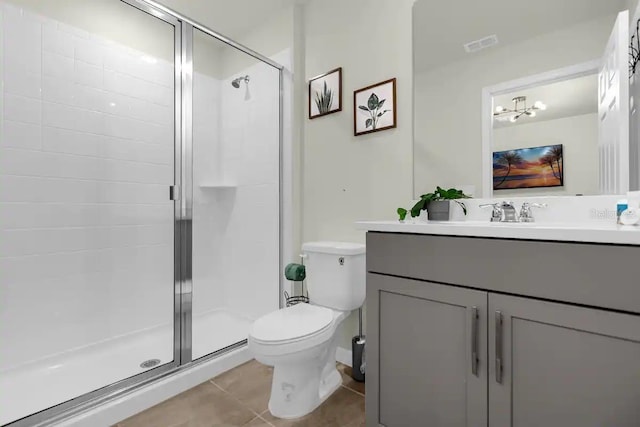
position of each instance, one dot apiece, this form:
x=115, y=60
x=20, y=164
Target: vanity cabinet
x=449, y=347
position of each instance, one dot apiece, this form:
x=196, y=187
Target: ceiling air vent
x=480, y=44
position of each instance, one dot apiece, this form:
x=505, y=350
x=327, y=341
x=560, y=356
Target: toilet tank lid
x=338, y=248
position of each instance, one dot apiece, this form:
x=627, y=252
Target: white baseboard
x=344, y=356
x=136, y=402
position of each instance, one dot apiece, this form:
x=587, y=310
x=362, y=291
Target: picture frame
x=534, y=167
x=325, y=94
x=375, y=108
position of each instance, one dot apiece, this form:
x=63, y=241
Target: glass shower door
x=235, y=193
x=87, y=227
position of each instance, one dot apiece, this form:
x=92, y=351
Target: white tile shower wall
x=211, y=206
x=86, y=155
x=235, y=230
x=250, y=141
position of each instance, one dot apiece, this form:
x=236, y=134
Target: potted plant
x=441, y=204
x=402, y=214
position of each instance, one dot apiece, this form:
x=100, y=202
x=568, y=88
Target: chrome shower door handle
x=474, y=340
x=174, y=193
x=498, y=347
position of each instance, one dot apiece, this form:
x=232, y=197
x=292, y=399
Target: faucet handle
x=496, y=214
x=526, y=215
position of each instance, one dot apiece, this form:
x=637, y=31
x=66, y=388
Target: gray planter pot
x=439, y=210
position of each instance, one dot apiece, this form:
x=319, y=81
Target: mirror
x=543, y=138
x=522, y=99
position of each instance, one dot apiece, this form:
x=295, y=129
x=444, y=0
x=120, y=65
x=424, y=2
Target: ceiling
x=563, y=99
x=231, y=18
x=442, y=27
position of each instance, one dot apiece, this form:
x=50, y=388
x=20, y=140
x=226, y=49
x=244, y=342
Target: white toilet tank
x=336, y=274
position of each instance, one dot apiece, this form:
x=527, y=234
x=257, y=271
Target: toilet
x=300, y=341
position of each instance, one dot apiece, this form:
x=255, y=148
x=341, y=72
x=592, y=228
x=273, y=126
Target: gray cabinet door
x=562, y=365
x=426, y=354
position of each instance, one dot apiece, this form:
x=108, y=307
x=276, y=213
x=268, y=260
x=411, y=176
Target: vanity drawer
x=597, y=275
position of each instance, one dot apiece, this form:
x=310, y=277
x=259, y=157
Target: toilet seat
x=292, y=324
x=293, y=329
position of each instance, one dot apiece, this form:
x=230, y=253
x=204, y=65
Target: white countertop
x=584, y=232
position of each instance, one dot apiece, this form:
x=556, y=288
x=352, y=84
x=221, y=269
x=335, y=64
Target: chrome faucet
x=526, y=215
x=502, y=212
x=496, y=214
x=506, y=211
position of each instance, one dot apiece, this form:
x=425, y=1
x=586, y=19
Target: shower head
x=236, y=82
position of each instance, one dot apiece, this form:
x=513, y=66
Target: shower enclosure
x=140, y=199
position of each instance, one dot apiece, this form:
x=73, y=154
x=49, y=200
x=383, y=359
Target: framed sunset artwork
x=529, y=168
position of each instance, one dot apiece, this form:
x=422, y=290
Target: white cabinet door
x=562, y=365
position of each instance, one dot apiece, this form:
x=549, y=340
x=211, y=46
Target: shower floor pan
x=40, y=385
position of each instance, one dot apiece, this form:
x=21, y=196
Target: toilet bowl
x=300, y=341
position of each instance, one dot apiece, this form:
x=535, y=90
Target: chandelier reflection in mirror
x=519, y=110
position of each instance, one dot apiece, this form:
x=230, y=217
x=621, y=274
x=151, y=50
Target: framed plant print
x=325, y=94
x=375, y=108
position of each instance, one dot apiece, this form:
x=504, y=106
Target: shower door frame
x=181, y=192
x=188, y=26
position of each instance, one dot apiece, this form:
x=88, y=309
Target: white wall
x=271, y=37
x=579, y=137
x=347, y=178
x=113, y=20
x=86, y=156
x=448, y=136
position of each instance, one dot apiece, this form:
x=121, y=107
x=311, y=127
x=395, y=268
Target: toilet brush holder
x=358, y=362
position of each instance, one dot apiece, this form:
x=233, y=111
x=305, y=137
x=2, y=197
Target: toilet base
x=298, y=390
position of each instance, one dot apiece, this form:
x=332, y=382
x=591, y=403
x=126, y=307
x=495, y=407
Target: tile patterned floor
x=238, y=398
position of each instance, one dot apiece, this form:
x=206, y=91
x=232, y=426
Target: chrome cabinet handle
x=498, y=342
x=474, y=341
